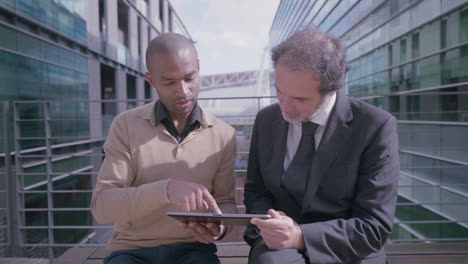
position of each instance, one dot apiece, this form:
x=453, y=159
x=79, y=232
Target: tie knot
x=308, y=128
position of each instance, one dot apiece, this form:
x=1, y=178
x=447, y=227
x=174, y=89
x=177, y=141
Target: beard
x=294, y=120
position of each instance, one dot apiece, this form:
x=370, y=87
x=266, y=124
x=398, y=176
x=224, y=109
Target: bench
x=228, y=254
x=397, y=253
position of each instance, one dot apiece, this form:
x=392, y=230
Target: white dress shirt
x=320, y=117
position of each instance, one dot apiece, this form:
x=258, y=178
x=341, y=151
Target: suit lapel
x=279, y=135
x=335, y=136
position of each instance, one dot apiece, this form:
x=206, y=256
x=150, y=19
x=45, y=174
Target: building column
x=112, y=29
x=165, y=11
x=154, y=18
x=121, y=89
x=133, y=38
x=140, y=90
x=144, y=44
x=94, y=93
x=92, y=25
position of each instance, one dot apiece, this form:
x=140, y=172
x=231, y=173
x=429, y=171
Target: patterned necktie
x=295, y=178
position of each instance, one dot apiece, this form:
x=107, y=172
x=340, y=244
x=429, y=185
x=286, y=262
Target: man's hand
x=204, y=233
x=191, y=196
x=280, y=231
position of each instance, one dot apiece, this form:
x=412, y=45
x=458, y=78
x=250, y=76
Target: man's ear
x=149, y=78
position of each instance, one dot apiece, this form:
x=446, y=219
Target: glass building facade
x=409, y=57
x=58, y=60
x=64, y=16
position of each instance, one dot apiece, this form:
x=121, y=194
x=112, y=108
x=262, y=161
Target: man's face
x=176, y=79
x=298, y=93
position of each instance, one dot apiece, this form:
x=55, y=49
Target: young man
x=323, y=165
x=169, y=155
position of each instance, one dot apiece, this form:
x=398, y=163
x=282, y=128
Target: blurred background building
x=67, y=67
x=409, y=57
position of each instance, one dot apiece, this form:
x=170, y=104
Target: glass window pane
x=8, y=3
x=51, y=53
x=427, y=72
x=29, y=45
x=380, y=82
x=30, y=76
x=8, y=39
x=430, y=38
x=415, y=49
x=463, y=25
x=26, y=7
x=67, y=58
x=455, y=66
x=8, y=66
x=47, y=10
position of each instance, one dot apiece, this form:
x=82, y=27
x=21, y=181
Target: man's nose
x=287, y=104
x=182, y=89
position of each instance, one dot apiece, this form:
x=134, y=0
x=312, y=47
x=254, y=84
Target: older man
x=168, y=155
x=323, y=165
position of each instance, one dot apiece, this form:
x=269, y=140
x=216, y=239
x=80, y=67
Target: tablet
x=225, y=219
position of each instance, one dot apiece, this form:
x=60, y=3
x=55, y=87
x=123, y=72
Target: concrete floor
x=23, y=261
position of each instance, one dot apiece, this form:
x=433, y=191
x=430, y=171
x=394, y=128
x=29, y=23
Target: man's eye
x=168, y=83
x=189, y=79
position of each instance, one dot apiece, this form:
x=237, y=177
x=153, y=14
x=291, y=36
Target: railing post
x=14, y=192
x=50, y=186
x=10, y=188
x=258, y=104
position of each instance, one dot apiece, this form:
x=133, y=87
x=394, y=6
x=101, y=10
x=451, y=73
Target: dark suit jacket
x=349, y=203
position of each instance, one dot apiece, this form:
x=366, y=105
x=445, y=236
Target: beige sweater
x=141, y=158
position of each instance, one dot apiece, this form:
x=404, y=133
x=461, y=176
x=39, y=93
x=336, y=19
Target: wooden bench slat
x=397, y=253
x=99, y=253
x=75, y=255
x=93, y=261
x=233, y=260
x=426, y=248
x=426, y=259
x=241, y=250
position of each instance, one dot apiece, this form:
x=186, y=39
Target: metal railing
x=50, y=173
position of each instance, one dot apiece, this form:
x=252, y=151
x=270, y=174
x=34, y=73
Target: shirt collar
x=161, y=113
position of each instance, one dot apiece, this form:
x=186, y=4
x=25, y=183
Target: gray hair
x=310, y=50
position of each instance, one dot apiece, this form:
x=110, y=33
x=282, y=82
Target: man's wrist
x=299, y=239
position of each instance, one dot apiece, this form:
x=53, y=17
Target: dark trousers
x=191, y=253
x=261, y=254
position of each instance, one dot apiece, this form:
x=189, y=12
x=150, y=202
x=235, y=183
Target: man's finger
x=274, y=214
x=214, y=228
x=211, y=202
x=198, y=236
x=205, y=206
x=199, y=200
x=193, y=202
x=273, y=223
x=202, y=230
x=185, y=206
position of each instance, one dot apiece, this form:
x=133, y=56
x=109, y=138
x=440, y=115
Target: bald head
x=168, y=43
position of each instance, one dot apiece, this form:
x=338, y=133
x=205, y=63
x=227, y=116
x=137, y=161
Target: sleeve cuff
x=155, y=193
x=224, y=233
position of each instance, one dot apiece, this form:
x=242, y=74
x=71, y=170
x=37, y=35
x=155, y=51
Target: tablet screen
x=226, y=219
